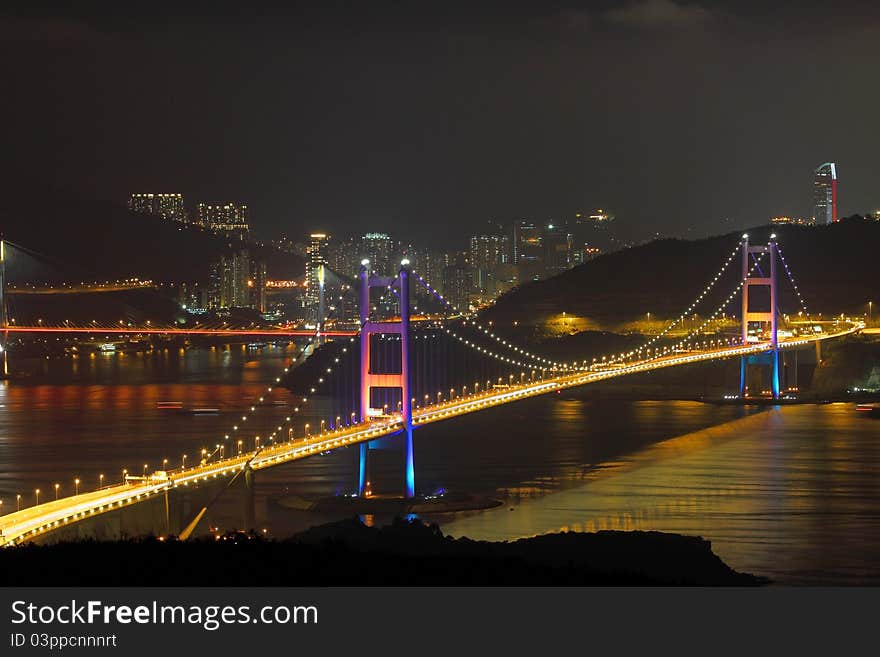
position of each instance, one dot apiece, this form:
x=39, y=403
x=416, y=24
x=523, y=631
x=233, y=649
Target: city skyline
x=546, y=117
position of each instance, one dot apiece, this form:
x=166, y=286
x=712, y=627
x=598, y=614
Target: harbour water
x=791, y=493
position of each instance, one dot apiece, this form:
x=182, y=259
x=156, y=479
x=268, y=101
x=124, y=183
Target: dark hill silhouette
x=94, y=240
x=836, y=267
x=405, y=553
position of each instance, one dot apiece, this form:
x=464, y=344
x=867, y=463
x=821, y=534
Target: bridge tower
x=370, y=379
x=4, y=334
x=770, y=317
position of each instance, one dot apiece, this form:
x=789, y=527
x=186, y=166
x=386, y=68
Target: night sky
x=426, y=119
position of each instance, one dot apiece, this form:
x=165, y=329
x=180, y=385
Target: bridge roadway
x=37, y=520
x=118, y=330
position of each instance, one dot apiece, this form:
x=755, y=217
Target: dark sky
x=426, y=119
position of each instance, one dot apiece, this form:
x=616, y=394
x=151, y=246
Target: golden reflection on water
x=790, y=492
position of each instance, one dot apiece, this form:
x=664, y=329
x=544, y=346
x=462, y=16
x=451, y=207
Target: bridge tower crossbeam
x=769, y=317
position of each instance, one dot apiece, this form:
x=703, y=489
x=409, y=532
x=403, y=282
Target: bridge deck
x=44, y=518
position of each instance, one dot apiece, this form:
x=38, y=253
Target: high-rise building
x=557, y=244
x=488, y=254
x=315, y=273
x=344, y=257
x=379, y=248
x=194, y=297
x=526, y=242
x=238, y=281
x=226, y=217
x=169, y=206
x=489, y=251
x=457, y=282
x=257, y=285
x=825, y=194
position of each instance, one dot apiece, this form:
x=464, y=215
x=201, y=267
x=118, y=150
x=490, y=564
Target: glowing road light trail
x=298, y=333
x=37, y=520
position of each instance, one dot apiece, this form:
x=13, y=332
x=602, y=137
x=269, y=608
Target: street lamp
x=57, y=486
x=100, y=481
x=37, y=496
x=183, y=465
x=18, y=502
x=124, y=472
x=76, y=486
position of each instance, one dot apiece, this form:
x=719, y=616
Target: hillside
x=94, y=240
x=836, y=267
x=406, y=553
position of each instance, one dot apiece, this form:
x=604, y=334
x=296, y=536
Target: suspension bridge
x=389, y=378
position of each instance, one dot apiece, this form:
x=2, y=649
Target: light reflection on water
x=790, y=493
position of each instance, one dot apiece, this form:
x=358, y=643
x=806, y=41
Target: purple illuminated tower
x=770, y=317
x=370, y=379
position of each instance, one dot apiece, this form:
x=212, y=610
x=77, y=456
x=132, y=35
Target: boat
x=204, y=411
x=871, y=409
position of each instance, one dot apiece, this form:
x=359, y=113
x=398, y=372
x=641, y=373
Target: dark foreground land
x=349, y=553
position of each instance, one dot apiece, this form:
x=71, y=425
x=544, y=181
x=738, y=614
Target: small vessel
x=204, y=411
x=871, y=409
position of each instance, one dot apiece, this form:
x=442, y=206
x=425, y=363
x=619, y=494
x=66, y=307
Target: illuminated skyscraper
x=315, y=273
x=231, y=277
x=825, y=194
x=228, y=217
x=379, y=248
x=457, y=283
x=169, y=206
x=489, y=251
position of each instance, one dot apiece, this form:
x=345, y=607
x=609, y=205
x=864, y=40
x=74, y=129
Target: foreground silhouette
x=404, y=553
